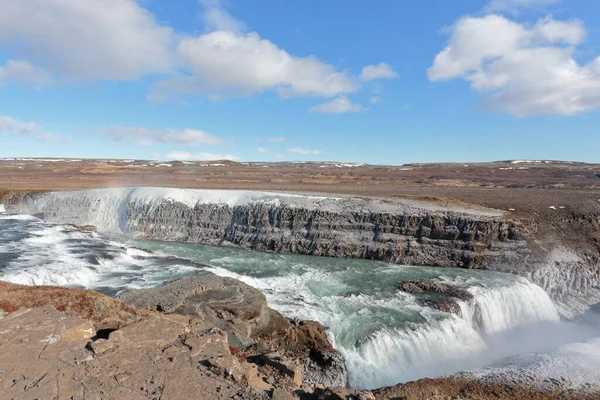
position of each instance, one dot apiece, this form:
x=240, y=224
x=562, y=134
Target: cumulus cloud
x=229, y=64
x=74, y=41
x=203, y=156
x=262, y=150
x=379, y=71
x=300, y=150
x=146, y=136
x=338, y=105
x=25, y=73
x=528, y=70
x=375, y=100
x=84, y=40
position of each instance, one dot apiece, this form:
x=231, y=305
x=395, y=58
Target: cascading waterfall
x=436, y=348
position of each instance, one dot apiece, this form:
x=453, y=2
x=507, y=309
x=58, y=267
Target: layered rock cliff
x=398, y=231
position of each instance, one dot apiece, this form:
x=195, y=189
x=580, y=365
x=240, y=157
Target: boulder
x=422, y=286
x=242, y=312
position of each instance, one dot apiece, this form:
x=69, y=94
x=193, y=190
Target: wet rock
x=445, y=305
x=85, y=228
x=421, y=286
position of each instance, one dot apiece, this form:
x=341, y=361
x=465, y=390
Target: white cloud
x=300, y=150
x=380, y=71
x=203, y=156
x=528, y=70
x=217, y=18
x=277, y=139
x=19, y=128
x=23, y=72
x=338, y=105
x=13, y=127
x=229, y=64
x=86, y=39
x=147, y=136
x=262, y=150
x=375, y=100
x=73, y=41
x=514, y=5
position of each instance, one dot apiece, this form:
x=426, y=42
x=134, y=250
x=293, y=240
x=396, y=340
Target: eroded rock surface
x=298, y=348
x=46, y=354
x=451, y=294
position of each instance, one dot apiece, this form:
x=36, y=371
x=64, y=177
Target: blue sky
x=383, y=82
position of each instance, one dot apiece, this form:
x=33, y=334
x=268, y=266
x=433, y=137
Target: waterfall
x=482, y=333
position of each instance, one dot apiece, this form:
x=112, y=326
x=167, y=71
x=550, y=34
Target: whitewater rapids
x=387, y=336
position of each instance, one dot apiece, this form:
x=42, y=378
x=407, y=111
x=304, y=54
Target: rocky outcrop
x=180, y=350
x=48, y=355
x=450, y=294
x=419, y=286
x=298, y=348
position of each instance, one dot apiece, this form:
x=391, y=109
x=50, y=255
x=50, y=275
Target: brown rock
x=420, y=286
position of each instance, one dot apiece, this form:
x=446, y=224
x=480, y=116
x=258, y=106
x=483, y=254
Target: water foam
x=48, y=254
x=411, y=341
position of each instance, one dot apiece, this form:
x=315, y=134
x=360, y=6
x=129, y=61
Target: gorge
x=386, y=336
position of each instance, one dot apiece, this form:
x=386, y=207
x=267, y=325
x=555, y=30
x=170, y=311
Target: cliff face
x=564, y=262
x=444, y=239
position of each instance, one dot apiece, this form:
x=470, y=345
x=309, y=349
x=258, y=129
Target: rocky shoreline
x=177, y=342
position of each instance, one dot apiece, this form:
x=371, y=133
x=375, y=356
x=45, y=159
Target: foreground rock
x=47, y=355
x=298, y=349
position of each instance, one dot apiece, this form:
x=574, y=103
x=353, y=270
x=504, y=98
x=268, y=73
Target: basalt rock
x=420, y=286
x=448, y=303
x=260, y=332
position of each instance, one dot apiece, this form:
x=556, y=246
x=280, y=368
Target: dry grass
x=82, y=303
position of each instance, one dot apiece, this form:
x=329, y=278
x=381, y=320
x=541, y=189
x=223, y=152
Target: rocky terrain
x=202, y=334
x=181, y=344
